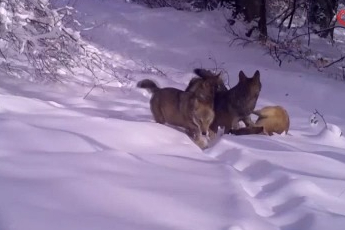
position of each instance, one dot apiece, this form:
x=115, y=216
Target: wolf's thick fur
x=272, y=119
x=237, y=103
x=183, y=109
x=205, y=75
x=149, y=85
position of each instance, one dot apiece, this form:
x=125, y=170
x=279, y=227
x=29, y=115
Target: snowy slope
x=102, y=163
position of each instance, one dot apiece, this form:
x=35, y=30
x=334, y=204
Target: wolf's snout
x=204, y=133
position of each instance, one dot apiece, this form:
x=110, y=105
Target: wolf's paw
x=202, y=142
x=211, y=135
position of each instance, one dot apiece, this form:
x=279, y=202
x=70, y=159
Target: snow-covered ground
x=101, y=163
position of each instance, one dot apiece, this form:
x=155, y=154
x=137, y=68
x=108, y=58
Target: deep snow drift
x=102, y=163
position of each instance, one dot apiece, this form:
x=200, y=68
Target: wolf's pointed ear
x=257, y=75
x=242, y=77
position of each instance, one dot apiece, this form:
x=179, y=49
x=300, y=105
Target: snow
x=102, y=163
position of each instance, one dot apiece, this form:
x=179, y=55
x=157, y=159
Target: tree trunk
x=250, y=9
x=262, y=21
x=321, y=13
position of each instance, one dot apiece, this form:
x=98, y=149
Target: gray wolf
x=237, y=103
x=184, y=109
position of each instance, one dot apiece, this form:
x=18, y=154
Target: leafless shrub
x=295, y=36
x=37, y=44
x=188, y=5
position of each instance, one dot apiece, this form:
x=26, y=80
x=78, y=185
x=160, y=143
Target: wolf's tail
x=203, y=73
x=148, y=84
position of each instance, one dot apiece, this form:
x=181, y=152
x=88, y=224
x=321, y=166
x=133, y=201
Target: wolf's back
x=273, y=119
x=148, y=84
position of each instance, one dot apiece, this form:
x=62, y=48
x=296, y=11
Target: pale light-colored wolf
x=271, y=119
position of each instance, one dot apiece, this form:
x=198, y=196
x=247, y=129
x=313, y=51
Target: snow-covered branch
x=36, y=43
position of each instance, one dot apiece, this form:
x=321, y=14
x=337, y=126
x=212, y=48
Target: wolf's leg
x=199, y=139
x=157, y=113
x=214, y=126
x=234, y=123
x=248, y=121
x=194, y=133
x=190, y=132
x=201, y=142
x=227, y=129
x=159, y=118
x=212, y=134
x=193, y=130
x=228, y=125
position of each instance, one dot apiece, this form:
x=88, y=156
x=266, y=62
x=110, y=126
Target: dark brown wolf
x=183, y=109
x=271, y=119
x=236, y=104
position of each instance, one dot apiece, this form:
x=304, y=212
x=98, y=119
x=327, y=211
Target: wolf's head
x=203, y=115
x=252, y=85
x=244, y=95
